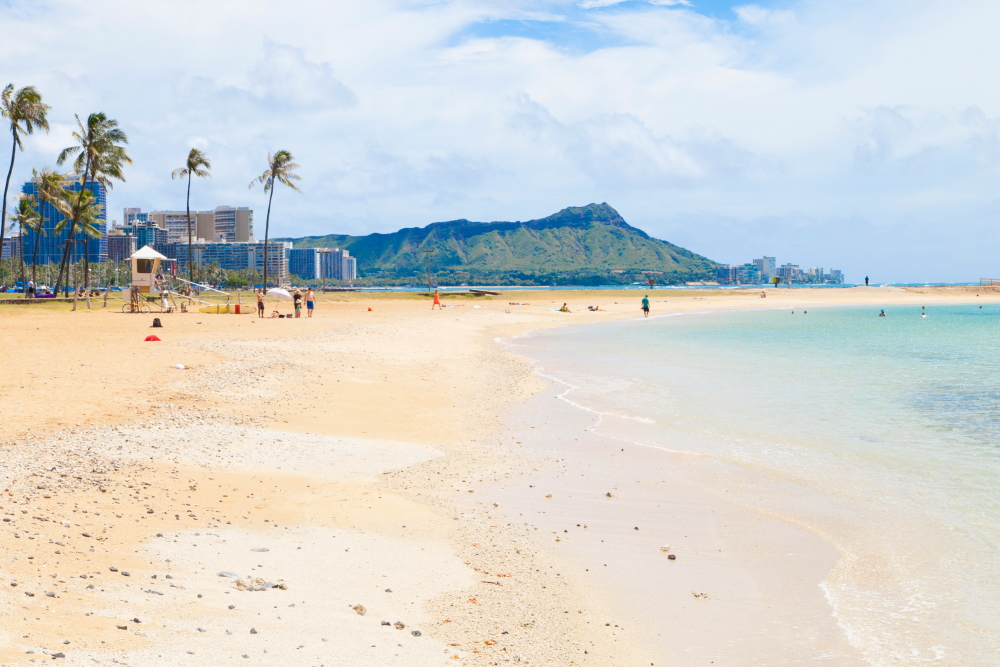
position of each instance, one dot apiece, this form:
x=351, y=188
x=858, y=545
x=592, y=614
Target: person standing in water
x=645, y=306
x=866, y=281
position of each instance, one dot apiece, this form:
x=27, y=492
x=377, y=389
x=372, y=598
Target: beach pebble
x=260, y=550
x=386, y=623
x=665, y=548
x=58, y=655
x=226, y=573
x=179, y=367
x=398, y=625
x=253, y=631
x=360, y=609
x=415, y=633
x=672, y=557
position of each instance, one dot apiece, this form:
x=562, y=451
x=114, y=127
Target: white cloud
x=801, y=126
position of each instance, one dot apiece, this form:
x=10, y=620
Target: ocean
x=880, y=435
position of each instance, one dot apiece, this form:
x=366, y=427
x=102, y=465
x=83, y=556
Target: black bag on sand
x=156, y=323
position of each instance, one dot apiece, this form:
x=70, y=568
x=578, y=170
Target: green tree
x=25, y=111
x=88, y=221
x=197, y=164
x=25, y=216
x=50, y=189
x=280, y=169
x=100, y=158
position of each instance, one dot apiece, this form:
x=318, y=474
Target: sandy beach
x=363, y=488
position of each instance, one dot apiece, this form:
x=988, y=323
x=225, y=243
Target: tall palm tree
x=88, y=220
x=26, y=112
x=100, y=158
x=25, y=215
x=197, y=164
x=50, y=189
x=280, y=169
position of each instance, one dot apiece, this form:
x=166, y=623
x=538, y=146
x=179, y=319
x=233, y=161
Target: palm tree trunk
x=86, y=267
x=267, y=230
x=72, y=224
x=190, y=252
x=10, y=170
x=38, y=235
x=20, y=247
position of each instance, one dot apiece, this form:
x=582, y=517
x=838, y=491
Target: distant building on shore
x=322, y=263
x=233, y=224
x=234, y=257
x=761, y=271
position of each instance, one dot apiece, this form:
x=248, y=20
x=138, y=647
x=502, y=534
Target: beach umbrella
x=279, y=293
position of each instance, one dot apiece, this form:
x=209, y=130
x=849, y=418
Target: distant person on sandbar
x=437, y=300
x=645, y=306
x=564, y=309
x=260, y=302
x=866, y=281
x=310, y=301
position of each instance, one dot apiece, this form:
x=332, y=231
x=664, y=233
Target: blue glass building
x=51, y=245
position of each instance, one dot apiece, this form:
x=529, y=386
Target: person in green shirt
x=645, y=306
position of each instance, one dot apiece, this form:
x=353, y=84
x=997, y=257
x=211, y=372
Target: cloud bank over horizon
x=853, y=135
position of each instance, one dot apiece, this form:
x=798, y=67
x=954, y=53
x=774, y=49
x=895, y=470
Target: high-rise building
x=235, y=256
x=11, y=247
x=348, y=267
x=121, y=245
x=131, y=215
x=233, y=224
x=305, y=262
x=226, y=223
x=765, y=268
x=749, y=274
x=51, y=245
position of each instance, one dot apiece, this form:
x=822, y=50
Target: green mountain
x=587, y=245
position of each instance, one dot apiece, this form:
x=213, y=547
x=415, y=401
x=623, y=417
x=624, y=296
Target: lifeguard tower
x=146, y=277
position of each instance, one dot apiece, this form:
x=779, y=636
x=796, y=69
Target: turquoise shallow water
x=881, y=434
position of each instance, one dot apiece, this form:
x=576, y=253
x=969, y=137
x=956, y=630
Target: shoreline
x=395, y=382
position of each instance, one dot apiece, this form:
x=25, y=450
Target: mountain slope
x=590, y=241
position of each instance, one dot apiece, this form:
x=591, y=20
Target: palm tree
x=25, y=111
x=88, y=220
x=100, y=158
x=50, y=188
x=281, y=169
x=25, y=215
x=193, y=167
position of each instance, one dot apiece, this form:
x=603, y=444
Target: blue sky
x=860, y=135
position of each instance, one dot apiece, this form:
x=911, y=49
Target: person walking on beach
x=645, y=306
x=437, y=300
x=866, y=281
x=310, y=301
x=297, y=300
x=260, y=302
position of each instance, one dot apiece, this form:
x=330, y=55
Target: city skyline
x=858, y=131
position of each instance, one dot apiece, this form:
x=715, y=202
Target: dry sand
x=333, y=459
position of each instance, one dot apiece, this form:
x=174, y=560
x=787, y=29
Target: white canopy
x=145, y=252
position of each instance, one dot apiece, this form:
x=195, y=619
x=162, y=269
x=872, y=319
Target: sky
x=848, y=134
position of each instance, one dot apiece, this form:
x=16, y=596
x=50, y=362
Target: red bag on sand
x=149, y=338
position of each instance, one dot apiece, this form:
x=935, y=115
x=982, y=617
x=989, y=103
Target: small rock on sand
x=360, y=608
